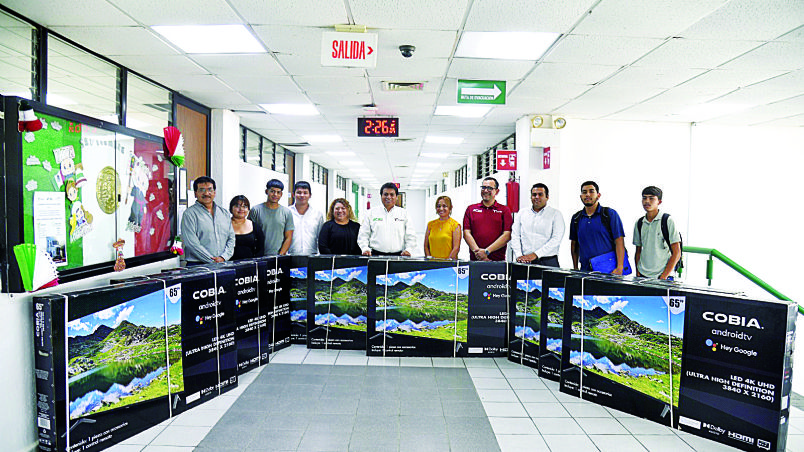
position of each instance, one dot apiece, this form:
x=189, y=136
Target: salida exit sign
x=349, y=49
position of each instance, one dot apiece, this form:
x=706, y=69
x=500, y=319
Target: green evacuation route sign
x=481, y=92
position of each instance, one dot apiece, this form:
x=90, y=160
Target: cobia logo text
x=199, y=294
x=731, y=319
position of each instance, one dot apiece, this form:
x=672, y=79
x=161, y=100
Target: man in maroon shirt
x=487, y=225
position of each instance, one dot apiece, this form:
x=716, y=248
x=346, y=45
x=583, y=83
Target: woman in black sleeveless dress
x=249, y=241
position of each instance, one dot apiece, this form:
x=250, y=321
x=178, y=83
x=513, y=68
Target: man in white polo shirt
x=537, y=232
x=307, y=221
x=385, y=230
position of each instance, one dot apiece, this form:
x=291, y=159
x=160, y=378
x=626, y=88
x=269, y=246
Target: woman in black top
x=249, y=241
x=339, y=234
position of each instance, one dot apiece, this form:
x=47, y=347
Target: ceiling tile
x=652, y=77
x=270, y=84
x=644, y=19
x=526, y=15
x=485, y=69
x=312, y=13
x=761, y=20
x=773, y=55
x=409, y=14
x=343, y=85
x=304, y=65
x=258, y=64
x=339, y=99
x=151, y=65
x=549, y=89
x=192, y=82
x=600, y=50
x=82, y=13
x=573, y=73
x=428, y=43
x=292, y=40
x=695, y=53
x=179, y=12
x=220, y=99
x=397, y=67
x=111, y=41
x=262, y=96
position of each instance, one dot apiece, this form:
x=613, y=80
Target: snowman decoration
x=138, y=181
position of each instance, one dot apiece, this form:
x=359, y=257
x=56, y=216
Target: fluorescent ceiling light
x=211, y=38
x=427, y=164
x=290, y=109
x=443, y=140
x=474, y=111
x=505, y=45
x=351, y=163
x=434, y=155
x=341, y=153
x=323, y=139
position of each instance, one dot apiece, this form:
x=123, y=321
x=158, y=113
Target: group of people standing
x=596, y=234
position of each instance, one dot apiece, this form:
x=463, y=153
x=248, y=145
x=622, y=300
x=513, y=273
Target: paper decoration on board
x=47, y=166
x=31, y=185
x=178, y=246
x=37, y=269
x=56, y=125
x=151, y=197
x=71, y=191
x=138, y=181
x=80, y=221
x=160, y=215
x=119, y=262
x=29, y=137
x=107, y=187
x=28, y=121
x=32, y=161
x=173, y=145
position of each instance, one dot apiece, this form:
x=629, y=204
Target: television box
x=417, y=307
x=437, y=308
x=552, y=321
x=737, y=362
x=205, y=301
x=298, y=299
x=525, y=311
x=252, y=329
x=107, y=363
x=622, y=346
x=275, y=300
x=337, y=302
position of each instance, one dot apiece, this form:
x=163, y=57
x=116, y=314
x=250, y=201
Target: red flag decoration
x=173, y=145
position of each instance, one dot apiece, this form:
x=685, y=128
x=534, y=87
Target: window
x=443, y=185
x=148, y=106
x=243, y=144
x=461, y=176
x=16, y=57
x=253, y=148
x=267, y=153
x=340, y=182
x=486, y=162
x=318, y=173
x=81, y=82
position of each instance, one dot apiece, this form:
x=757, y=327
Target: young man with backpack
x=658, y=243
x=596, y=231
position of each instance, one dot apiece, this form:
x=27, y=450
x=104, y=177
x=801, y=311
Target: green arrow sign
x=481, y=92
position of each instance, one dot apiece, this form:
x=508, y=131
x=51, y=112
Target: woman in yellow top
x=443, y=236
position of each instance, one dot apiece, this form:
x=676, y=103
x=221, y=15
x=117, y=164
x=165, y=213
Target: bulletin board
x=81, y=185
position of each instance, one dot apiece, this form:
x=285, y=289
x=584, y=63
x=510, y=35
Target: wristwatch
x=486, y=251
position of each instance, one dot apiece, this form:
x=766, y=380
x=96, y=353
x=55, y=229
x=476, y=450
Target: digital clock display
x=378, y=127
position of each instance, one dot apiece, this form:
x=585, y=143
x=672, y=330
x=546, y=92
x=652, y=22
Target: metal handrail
x=712, y=253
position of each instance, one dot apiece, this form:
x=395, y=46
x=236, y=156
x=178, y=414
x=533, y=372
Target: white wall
x=18, y=398
x=225, y=156
x=318, y=198
x=416, y=217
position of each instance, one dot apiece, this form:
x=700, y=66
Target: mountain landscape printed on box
x=423, y=303
x=298, y=295
x=554, y=303
x=628, y=339
x=118, y=356
x=347, y=308
x=528, y=297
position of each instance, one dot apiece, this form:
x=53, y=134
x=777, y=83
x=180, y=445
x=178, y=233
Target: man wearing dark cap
x=658, y=243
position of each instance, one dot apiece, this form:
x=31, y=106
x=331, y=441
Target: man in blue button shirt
x=589, y=234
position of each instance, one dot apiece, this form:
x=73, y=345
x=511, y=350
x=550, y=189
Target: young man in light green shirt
x=654, y=258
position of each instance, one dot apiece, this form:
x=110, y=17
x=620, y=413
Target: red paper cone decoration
x=173, y=145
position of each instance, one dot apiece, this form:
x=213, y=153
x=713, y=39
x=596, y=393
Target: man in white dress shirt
x=537, y=232
x=385, y=230
x=307, y=221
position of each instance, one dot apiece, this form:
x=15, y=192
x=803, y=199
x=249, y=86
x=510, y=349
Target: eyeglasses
x=206, y=190
x=484, y=188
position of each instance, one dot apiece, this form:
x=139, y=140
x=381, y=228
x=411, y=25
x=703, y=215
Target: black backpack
x=666, y=235
x=605, y=218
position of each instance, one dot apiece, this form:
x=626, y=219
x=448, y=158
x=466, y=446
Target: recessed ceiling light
x=474, y=111
x=443, y=140
x=427, y=164
x=323, y=139
x=434, y=155
x=505, y=45
x=211, y=38
x=341, y=153
x=290, y=109
x=351, y=163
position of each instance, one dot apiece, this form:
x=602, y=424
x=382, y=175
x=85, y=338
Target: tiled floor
x=524, y=412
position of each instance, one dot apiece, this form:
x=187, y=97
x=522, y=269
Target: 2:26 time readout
x=378, y=127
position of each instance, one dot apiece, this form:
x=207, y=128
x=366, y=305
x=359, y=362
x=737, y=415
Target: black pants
x=380, y=253
x=548, y=261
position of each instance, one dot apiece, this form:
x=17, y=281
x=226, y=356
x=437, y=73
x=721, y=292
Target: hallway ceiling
x=738, y=62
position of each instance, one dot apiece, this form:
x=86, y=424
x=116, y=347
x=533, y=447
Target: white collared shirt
x=305, y=234
x=537, y=232
x=386, y=231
